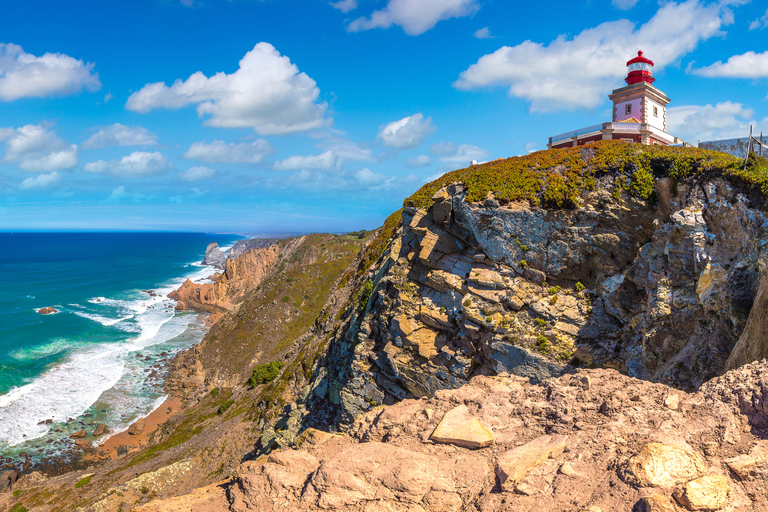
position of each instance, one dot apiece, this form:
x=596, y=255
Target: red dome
x=640, y=70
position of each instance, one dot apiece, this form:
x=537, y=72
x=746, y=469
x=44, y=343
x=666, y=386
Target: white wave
x=116, y=429
x=56, y=346
x=102, y=319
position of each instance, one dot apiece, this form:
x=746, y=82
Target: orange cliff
x=241, y=275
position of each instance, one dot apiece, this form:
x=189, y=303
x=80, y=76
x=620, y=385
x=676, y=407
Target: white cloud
x=108, y=97
x=345, y=5
x=407, y=133
x=325, y=161
x=746, y=65
x=35, y=148
x=117, y=194
x=579, y=72
x=40, y=181
x=120, y=135
x=624, y=4
x=354, y=181
x=760, y=23
x=346, y=149
x=219, y=151
x=136, y=165
x=23, y=75
x=267, y=93
x=450, y=153
x=419, y=161
x=483, y=33
x=415, y=16
x=530, y=147
x=724, y=120
x=197, y=173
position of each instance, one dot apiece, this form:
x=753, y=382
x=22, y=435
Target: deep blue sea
x=80, y=365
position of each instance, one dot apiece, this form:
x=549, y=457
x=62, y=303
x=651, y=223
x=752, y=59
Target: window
x=656, y=111
x=628, y=109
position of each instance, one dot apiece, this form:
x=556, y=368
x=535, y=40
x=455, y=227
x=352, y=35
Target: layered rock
x=214, y=256
x=591, y=440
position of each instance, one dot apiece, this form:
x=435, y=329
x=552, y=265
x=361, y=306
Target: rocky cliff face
x=592, y=440
x=214, y=256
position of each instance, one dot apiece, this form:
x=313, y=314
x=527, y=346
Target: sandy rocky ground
x=593, y=440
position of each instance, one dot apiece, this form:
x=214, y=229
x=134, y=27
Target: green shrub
x=540, y=322
x=553, y=290
x=16, y=493
x=285, y=299
x=223, y=407
x=542, y=343
x=579, y=287
x=18, y=508
x=215, y=392
x=523, y=264
x=467, y=303
x=553, y=300
x=82, y=482
x=265, y=373
x=365, y=294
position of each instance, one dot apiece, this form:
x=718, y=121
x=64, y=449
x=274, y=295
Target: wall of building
x=735, y=147
x=620, y=109
x=657, y=121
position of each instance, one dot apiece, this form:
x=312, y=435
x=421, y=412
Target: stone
x=441, y=206
x=122, y=450
x=78, y=435
x=567, y=469
x=7, y=479
x=83, y=443
x=513, y=465
x=710, y=280
x=662, y=465
x=706, y=493
x=459, y=427
x=753, y=466
x=672, y=402
x=655, y=503
x=214, y=256
x=136, y=427
x=49, y=310
x=99, y=430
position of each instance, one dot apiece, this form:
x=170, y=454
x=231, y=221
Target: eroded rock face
x=214, y=256
x=557, y=447
x=660, y=292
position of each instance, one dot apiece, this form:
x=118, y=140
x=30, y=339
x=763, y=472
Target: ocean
x=98, y=359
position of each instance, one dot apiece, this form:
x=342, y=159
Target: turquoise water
x=99, y=357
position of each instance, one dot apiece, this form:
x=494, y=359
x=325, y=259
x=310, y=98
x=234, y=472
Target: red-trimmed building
x=639, y=113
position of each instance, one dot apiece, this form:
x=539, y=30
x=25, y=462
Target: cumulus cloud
x=138, y=164
x=419, y=161
x=353, y=181
x=407, y=133
x=760, y=23
x=326, y=160
x=219, y=151
x=267, y=93
x=482, y=33
x=345, y=5
x=120, y=135
x=578, y=72
x=40, y=181
x=197, y=173
x=346, y=149
x=624, y=4
x=415, y=16
x=36, y=148
x=23, y=75
x=746, y=65
x=723, y=120
x=451, y=153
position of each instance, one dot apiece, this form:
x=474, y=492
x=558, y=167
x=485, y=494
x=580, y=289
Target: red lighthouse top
x=640, y=70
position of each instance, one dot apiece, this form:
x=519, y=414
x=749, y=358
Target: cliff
x=578, y=303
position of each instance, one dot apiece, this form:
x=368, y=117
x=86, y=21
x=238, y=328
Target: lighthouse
x=639, y=113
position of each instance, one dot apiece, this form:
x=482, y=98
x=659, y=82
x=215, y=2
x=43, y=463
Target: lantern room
x=640, y=70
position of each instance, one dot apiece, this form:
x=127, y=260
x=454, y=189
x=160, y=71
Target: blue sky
x=296, y=116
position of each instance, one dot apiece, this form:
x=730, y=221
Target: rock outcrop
x=214, y=256
x=590, y=440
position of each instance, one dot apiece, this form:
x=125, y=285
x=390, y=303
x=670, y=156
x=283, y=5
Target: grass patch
x=556, y=178
x=223, y=407
x=82, y=482
x=265, y=373
x=18, y=508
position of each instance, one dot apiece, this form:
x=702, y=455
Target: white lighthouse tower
x=639, y=113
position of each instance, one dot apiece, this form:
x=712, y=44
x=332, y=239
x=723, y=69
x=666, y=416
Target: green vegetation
x=16, y=493
x=223, y=407
x=542, y=343
x=18, y=508
x=365, y=294
x=215, y=392
x=553, y=290
x=82, y=482
x=553, y=300
x=357, y=234
x=540, y=322
x=556, y=178
x=285, y=299
x=579, y=287
x=265, y=373
x=467, y=303
x=523, y=263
